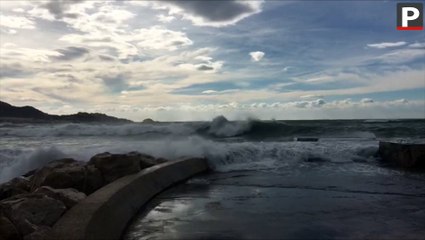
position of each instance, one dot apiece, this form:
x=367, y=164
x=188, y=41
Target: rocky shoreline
x=31, y=204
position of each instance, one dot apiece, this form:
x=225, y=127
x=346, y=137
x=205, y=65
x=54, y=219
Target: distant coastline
x=29, y=114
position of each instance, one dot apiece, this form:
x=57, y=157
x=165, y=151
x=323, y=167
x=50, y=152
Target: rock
x=68, y=173
x=93, y=179
x=160, y=160
x=148, y=120
x=315, y=159
x=42, y=233
x=114, y=166
x=145, y=160
x=27, y=211
x=403, y=154
x=68, y=196
x=30, y=173
x=306, y=139
x=8, y=229
x=14, y=187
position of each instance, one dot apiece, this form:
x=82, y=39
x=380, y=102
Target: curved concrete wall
x=106, y=213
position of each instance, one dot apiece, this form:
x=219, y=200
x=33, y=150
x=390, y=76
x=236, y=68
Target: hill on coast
x=30, y=114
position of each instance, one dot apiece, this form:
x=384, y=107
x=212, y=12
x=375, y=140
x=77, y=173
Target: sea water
x=343, y=145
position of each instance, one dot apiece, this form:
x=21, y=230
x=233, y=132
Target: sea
x=342, y=145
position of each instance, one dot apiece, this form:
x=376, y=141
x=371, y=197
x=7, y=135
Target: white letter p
x=405, y=18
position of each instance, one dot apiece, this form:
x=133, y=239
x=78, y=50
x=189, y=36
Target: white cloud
x=417, y=45
x=220, y=92
x=159, y=38
x=9, y=52
x=310, y=96
x=256, y=56
x=165, y=18
x=16, y=22
x=209, y=91
x=402, y=56
x=286, y=69
x=387, y=44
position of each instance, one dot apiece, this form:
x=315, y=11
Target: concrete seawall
x=106, y=213
x=404, y=155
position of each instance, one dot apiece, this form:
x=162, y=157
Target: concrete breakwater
x=406, y=155
x=69, y=199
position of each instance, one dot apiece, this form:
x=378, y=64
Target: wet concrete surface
x=282, y=204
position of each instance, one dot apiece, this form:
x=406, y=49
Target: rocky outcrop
x=114, y=166
x=8, y=229
x=68, y=173
x=42, y=233
x=403, y=154
x=30, y=205
x=68, y=196
x=29, y=211
x=31, y=114
x=14, y=187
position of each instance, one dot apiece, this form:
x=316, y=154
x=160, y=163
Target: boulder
x=8, y=229
x=67, y=173
x=145, y=160
x=93, y=179
x=68, y=196
x=28, y=211
x=14, y=187
x=42, y=233
x=114, y=166
x=161, y=160
x=405, y=155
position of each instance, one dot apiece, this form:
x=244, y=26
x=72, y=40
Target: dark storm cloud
x=216, y=11
x=71, y=53
x=14, y=70
x=205, y=68
x=59, y=7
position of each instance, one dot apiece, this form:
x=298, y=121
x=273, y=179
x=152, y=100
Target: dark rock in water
x=306, y=139
x=28, y=211
x=14, y=187
x=8, y=229
x=403, y=155
x=68, y=173
x=68, y=196
x=114, y=166
x=148, y=120
x=315, y=159
x=42, y=233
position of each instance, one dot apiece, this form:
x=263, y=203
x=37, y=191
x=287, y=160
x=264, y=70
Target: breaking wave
x=229, y=145
x=223, y=156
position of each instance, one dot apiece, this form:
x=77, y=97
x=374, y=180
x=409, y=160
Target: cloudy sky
x=193, y=60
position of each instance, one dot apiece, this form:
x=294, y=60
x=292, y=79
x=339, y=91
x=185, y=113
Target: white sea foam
x=78, y=129
x=223, y=156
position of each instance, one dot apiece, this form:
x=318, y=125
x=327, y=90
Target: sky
x=194, y=60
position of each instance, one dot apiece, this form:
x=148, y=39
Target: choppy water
x=229, y=146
